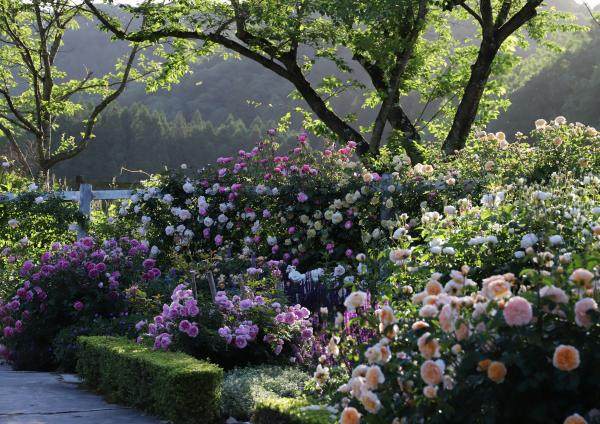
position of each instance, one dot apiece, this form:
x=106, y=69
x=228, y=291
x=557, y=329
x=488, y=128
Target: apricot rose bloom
x=496, y=372
x=428, y=346
x=432, y=372
x=566, y=358
x=350, y=416
x=581, y=277
x=374, y=377
x=575, y=419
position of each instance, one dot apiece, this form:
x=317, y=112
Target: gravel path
x=46, y=398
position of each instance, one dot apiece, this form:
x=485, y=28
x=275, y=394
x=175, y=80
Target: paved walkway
x=45, y=398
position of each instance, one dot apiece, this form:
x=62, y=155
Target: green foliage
x=36, y=93
x=38, y=224
x=290, y=411
x=171, y=385
x=244, y=388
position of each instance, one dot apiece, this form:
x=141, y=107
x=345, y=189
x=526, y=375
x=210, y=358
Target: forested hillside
x=225, y=105
x=569, y=87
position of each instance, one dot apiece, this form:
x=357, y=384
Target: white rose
x=355, y=300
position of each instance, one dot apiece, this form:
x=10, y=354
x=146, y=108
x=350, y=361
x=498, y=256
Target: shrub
x=479, y=353
x=243, y=388
x=171, y=385
x=71, y=284
x=264, y=328
x=291, y=411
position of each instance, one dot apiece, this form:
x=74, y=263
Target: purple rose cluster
x=82, y=274
x=175, y=319
x=280, y=324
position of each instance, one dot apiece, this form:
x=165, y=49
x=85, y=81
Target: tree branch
x=526, y=13
x=471, y=12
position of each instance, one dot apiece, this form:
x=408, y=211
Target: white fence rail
x=84, y=197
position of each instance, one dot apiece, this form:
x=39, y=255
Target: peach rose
x=433, y=287
x=370, y=401
x=575, y=419
x=496, y=372
x=462, y=332
x=355, y=300
x=386, y=315
x=430, y=392
x=419, y=325
x=350, y=416
x=446, y=318
x=428, y=346
x=517, y=312
x=581, y=277
x=483, y=365
x=496, y=287
x=374, y=377
x=566, y=358
x=432, y=372
x=582, y=307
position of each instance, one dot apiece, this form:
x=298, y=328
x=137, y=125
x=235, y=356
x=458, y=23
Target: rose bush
x=254, y=328
x=483, y=351
x=71, y=284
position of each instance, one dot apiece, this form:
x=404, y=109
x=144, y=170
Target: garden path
x=47, y=398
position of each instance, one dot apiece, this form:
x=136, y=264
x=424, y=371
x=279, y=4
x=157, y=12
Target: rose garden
x=298, y=282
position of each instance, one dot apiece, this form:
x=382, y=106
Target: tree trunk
x=469, y=104
x=411, y=137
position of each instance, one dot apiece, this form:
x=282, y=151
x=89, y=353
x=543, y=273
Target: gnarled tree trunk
x=469, y=104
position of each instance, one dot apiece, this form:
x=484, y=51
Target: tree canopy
x=35, y=93
x=405, y=47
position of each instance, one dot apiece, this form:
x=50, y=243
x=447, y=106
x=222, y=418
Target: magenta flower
x=302, y=197
x=184, y=326
x=193, y=331
x=241, y=342
x=78, y=305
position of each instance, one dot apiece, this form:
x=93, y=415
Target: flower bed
x=79, y=284
x=474, y=282
x=171, y=385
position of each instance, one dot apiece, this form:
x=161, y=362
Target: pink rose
x=518, y=312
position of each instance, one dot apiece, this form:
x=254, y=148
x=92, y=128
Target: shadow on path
x=46, y=398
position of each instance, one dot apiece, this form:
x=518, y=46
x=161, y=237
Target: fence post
x=85, y=206
x=211, y=285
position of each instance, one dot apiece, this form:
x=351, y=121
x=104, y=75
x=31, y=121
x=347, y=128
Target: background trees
x=404, y=47
x=35, y=94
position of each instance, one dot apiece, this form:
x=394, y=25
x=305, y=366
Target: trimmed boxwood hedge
x=173, y=386
x=289, y=411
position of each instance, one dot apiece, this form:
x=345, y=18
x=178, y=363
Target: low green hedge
x=171, y=385
x=290, y=411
